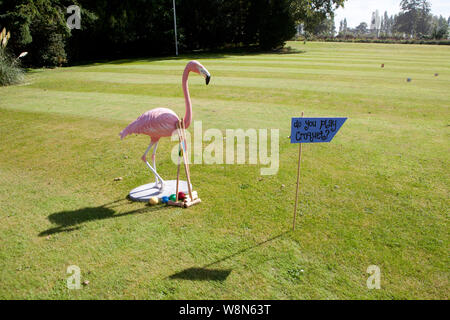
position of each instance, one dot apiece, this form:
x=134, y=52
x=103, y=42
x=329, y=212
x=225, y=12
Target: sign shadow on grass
x=71, y=220
x=202, y=274
x=205, y=273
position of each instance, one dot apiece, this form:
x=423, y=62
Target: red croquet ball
x=181, y=195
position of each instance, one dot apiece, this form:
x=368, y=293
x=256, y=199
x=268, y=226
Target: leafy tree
x=387, y=24
x=313, y=12
x=362, y=28
x=414, y=18
x=40, y=27
x=439, y=28
x=276, y=27
x=217, y=23
x=325, y=29
x=115, y=28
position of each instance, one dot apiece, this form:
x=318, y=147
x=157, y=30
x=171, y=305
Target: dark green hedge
x=127, y=28
x=392, y=41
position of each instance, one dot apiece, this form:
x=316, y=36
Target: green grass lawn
x=377, y=195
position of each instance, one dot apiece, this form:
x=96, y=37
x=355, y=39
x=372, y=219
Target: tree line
x=414, y=21
x=127, y=28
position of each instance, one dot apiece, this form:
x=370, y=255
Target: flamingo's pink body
x=156, y=123
x=162, y=122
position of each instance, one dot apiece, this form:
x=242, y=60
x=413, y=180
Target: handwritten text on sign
x=314, y=130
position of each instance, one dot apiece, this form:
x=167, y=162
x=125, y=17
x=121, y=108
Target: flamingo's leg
x=144, y=158
x=154, y=166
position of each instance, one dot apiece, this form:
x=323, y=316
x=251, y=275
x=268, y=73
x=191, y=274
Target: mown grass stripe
x=98, y=80
x=272, y=72
x=247, y=104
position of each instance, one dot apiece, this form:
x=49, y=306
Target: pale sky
x=357, y=11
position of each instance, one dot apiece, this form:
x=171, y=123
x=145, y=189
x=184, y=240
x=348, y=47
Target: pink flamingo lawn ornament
x=162, y=122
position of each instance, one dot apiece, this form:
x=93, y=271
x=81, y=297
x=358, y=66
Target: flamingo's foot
x=159, y=182
x=160, y=185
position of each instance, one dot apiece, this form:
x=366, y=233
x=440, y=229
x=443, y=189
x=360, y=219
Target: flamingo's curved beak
x=205, y=73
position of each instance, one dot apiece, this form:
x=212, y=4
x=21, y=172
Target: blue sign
x=314, y=130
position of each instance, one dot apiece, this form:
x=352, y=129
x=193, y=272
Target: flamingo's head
x=197, y=67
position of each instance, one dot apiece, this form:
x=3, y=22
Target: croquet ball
x=173, y=197
x=153, y=200
x=181, y=196
x=165, y=199
x=436, y=74
x=382, y=65
x=409, y=79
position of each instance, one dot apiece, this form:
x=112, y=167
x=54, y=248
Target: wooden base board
x=184, y=204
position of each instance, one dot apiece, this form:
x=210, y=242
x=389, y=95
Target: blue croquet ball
x=165, y=199
x=409, y=79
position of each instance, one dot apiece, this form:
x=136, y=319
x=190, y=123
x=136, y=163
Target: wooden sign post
x=298, y=181
x=311, y=130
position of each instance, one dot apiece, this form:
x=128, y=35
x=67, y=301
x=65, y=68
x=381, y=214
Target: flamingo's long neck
x=187, y=98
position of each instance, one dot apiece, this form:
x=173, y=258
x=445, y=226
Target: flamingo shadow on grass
x=206, y=273
x=72, y=220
